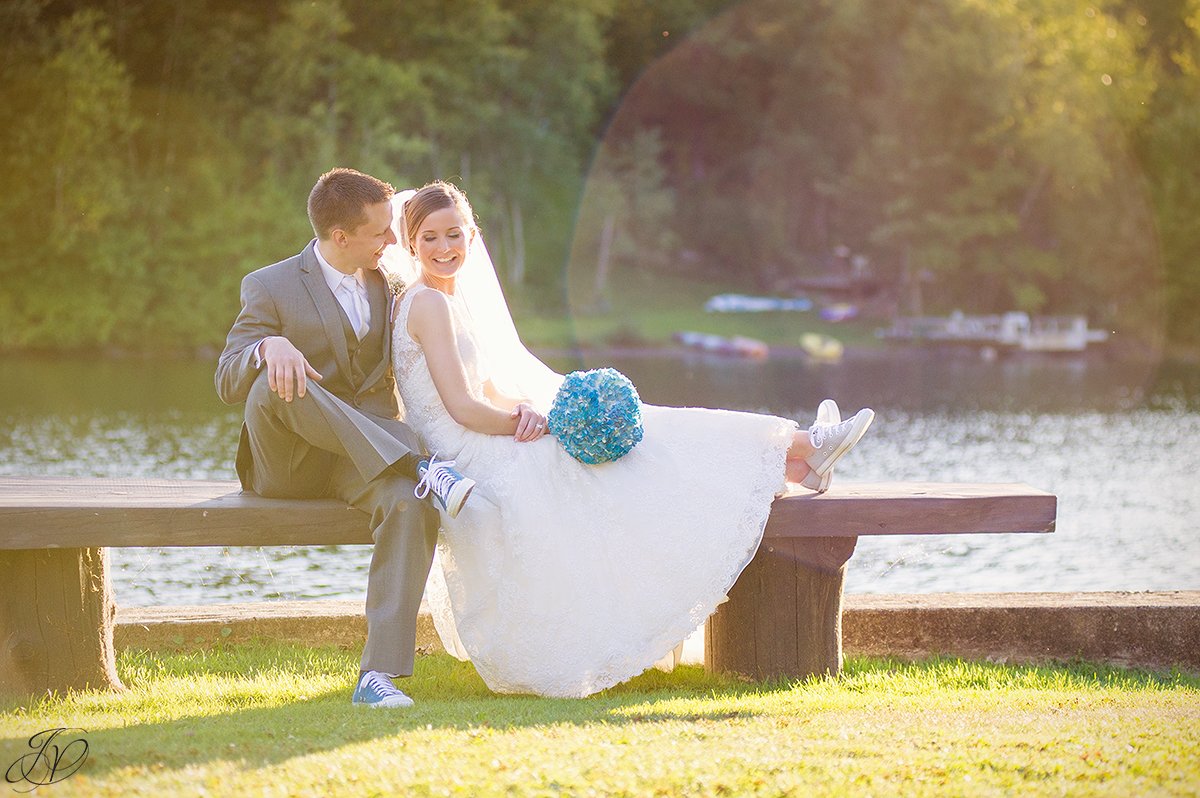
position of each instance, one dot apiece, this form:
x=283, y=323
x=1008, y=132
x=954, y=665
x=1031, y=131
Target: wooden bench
x=783, y=617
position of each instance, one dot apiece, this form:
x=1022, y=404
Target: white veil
x=512, y=368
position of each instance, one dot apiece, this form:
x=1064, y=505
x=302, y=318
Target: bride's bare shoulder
x=428, y=298
x=428, y=308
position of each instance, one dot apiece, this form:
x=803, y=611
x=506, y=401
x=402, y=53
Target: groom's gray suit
x=340, y=439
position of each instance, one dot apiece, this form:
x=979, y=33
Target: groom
x=310, y=355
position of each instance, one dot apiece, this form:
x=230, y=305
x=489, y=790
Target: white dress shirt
x=350, y=291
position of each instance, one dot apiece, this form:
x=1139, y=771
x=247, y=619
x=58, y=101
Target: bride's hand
x=531, y=424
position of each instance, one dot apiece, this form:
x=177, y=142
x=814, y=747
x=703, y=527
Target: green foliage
x=1169, y=143
x=980, y=148
x=158, y=152
x=68, y=131
x=1024, y=154
x=626, y=218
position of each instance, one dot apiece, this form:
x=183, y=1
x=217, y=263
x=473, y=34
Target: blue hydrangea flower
x=597, y=415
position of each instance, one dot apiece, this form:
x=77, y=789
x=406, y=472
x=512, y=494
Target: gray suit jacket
x=292, y=299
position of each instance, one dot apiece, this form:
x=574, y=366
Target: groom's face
x=362, y=248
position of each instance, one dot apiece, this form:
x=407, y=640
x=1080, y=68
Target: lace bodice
x=423, y=407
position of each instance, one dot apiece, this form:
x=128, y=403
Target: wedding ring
x=538, y=426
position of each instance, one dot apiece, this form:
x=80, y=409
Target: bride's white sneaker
x=828, y=414
x=832, y=441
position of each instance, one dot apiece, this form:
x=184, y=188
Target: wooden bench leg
x=784, y=614
x=56, y=621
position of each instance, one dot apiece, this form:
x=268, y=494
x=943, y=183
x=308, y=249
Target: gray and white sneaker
x=827, y=416
x=375, y=690
x=449, y=488
x=833, y=441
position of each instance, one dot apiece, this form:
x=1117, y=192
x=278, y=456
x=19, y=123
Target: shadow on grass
x=450, y=696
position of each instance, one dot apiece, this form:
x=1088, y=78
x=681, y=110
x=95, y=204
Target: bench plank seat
x=68, y=512
x=913, y=508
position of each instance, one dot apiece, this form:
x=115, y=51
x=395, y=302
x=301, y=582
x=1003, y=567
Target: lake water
x=1118, y=443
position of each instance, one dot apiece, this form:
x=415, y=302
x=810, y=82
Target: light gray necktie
x=354, y=307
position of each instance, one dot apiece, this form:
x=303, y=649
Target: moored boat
x=723, y=345
x=1007, y=332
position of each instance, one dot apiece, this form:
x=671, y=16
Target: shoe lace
x=382, y=685
x=819, y=433
x=437, y=477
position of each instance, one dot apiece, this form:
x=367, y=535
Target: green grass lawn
x=647, y=309
x=273, y=720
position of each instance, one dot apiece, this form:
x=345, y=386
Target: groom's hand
x=288, y=371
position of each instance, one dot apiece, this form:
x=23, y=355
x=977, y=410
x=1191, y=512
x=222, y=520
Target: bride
x=560, y=578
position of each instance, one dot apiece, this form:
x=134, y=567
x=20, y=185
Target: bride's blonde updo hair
x=434, y=197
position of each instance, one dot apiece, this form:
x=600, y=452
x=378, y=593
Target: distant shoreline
x=850, y=353
x=1176, y=354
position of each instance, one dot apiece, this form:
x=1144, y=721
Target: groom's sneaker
x=376, y=690
x=833, y=441
x=828, y=415
x=448, y=487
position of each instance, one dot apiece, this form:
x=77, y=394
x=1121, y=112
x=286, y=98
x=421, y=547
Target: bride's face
x=442, y=241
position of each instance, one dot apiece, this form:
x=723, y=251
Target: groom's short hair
x=339, y=198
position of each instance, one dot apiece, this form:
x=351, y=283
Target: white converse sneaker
x=449, y=487
x=832, y=442
x=828, y=415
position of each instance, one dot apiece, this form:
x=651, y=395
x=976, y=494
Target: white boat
x=1050, y=333
x=1014, y=331
x=741, y=303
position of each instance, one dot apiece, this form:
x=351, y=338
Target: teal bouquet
x=596, y=415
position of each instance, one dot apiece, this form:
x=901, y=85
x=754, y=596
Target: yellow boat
x=824, y=348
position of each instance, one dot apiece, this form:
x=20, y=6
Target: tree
x=1021, y=152
x=624, y=218
x=985, y=144
x=67, y=163
x=1169, y=145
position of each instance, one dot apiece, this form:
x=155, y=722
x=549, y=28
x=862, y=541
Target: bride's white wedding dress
x=562, y=579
